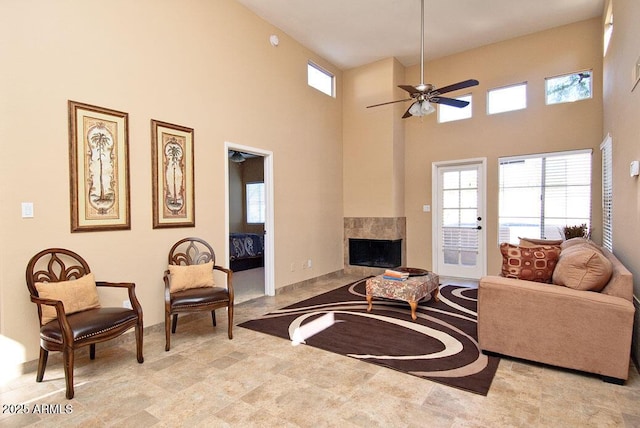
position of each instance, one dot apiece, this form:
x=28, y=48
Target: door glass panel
x=451, y=180
x=469, y=179
x=469, y=198
x=468, y=217
x=459, y=217
x=450, y=199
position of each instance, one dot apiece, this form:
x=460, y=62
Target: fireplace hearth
x=382, y=253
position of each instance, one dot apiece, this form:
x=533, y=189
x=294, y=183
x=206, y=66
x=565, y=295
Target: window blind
x=607, y=193
x=541, y=194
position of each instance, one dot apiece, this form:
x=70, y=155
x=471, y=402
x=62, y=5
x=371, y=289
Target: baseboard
x=307, y=282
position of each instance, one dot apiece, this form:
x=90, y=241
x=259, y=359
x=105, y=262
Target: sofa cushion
x=573, y=242
x=191, y=276
x=529, y=263
x=533, y=242
x=582, y=267
x=76, y=295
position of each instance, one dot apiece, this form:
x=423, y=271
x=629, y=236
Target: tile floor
x=257, y=380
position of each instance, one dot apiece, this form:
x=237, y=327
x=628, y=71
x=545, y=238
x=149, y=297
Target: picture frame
x=98, y=168
x=172, y=171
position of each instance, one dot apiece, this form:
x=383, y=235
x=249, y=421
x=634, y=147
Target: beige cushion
x=582, y=267
x=76, y=295
x=573, y=242
x=529, y=263
x=532, y=242
x=191, y=276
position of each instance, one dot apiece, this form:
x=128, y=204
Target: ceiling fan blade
x=390, y=102
x=449, y=101
x=411, y=89
x=456, y=86
x=406, y=113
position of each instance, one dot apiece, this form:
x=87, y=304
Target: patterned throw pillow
x=529, y=263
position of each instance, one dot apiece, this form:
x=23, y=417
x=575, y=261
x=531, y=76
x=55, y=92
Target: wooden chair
x=68, y=332
x=196, y=298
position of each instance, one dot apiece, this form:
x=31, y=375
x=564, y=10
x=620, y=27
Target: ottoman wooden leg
x=370, y=301
x=414, y=306
x=436, y=294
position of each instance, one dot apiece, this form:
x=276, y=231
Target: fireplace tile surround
x=373, y=228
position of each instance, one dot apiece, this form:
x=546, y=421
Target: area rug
x=441, y=345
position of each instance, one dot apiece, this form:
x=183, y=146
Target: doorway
x=459, y=244
x=249, y=220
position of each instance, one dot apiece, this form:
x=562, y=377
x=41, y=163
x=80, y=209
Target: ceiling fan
x=423, y=94
x=236, y=156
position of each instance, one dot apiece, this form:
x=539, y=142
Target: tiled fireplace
x=380, y=232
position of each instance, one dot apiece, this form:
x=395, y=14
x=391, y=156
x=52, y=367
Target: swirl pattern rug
x=441, y=345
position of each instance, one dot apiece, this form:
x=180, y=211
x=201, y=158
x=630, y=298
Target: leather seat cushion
x=199, y=296
x=86, y=324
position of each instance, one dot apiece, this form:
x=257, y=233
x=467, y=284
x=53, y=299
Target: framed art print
x=172, y=175
x=99, y=168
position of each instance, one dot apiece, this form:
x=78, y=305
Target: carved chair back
x=54, y=265
x=191, y=251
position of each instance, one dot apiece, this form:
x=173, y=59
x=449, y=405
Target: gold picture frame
x=98, y=168
x=172, y=175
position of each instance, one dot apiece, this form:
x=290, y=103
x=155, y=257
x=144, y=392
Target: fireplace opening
x=375, y=252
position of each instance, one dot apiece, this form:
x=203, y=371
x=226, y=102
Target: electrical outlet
x=309, y=263
x=126, y=304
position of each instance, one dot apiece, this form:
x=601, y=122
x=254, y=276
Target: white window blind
x=607, y=193
x=541, y=194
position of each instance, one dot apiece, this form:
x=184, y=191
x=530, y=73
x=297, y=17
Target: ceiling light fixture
x=236, y=157
x=421, y=108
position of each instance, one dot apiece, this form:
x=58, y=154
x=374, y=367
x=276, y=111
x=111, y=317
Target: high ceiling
x=350, y=33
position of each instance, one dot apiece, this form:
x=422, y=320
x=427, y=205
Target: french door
x=459, y=248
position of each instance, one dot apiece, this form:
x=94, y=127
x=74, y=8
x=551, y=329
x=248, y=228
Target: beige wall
x=621, y=113
x=537, y=129
x=198, y=63
x=621, y=121
x=373, y=141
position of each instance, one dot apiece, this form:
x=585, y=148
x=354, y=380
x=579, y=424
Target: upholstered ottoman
x=411, y=290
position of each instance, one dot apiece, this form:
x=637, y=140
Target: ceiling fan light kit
x=423, y=94
x=236, y=157
x=421, y=108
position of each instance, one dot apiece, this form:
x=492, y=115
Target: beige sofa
x=561, y=326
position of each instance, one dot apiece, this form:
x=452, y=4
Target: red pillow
x=529, y=263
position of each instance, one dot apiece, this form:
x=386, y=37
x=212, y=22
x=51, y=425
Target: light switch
x=426, y=208
x=27, y=210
